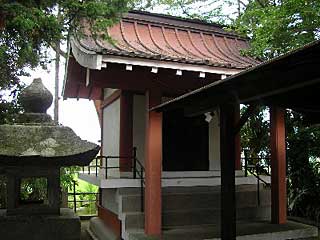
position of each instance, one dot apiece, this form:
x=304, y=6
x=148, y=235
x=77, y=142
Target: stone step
x=191, y=200
x=197, y=189
x=98, y=230
x=135, y=220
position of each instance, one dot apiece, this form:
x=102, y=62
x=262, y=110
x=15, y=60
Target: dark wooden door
x=185, y=143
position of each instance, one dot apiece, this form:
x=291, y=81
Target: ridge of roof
x=173, y=17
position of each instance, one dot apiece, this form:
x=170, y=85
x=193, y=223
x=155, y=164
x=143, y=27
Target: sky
x=79, y=115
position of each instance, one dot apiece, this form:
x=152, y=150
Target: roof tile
x=154, y=36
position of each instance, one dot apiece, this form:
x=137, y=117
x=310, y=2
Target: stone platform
x=257, y=230
x=63, y=227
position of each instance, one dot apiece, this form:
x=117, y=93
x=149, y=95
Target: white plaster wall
x=111, y=134
x=108, y=91
x=214, y=142
x=139, y=122
x=109, y=199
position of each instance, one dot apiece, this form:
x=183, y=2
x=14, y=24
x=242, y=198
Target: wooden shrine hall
x=158, y=64
x=291, y=81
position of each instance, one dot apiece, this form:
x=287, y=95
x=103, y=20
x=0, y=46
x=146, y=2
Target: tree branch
x=59, y=50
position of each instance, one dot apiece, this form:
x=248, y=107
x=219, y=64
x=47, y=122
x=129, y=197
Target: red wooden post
x=227, y=161
x=237, y=139
x=126, y=130
x=278, y=166
x=153, y=167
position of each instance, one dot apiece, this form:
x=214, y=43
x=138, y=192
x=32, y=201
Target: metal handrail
x=249, y=168
x=134, y=168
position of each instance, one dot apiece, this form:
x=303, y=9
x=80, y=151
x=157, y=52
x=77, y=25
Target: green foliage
x=29, y=28
x=275, y=27
x=303, y=154
x=34, y=189
x=255, y=133
x=211, y=11
x=67, y=176
x=86, y=198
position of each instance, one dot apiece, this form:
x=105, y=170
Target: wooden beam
x=251, y=110
x=278, y=166
x=110, y=99
x=201, y=104
x=153, y=166
x=280, y=90
x=227, y=162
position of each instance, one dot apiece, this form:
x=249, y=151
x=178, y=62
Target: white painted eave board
x=168, y=65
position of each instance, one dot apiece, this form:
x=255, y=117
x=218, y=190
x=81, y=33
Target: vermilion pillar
x=153, y=166
x=227, y=161
x=126, y=130
x=278, y=166
x=237, y=139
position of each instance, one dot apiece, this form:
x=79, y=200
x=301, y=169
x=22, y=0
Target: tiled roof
x=160, y=37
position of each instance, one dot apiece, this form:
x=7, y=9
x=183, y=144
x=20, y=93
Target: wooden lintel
x=252, y=109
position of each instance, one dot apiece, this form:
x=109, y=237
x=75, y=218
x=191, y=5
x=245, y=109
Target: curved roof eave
x=86, y=58
x=95, y=60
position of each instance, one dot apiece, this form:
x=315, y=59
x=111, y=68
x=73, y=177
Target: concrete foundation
x=66, y=226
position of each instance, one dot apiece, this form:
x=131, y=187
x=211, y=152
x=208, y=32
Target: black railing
x=86, y=198
x=257, y=166
x=134, y=166
x=96, y=166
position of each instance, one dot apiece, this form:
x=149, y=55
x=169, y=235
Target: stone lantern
x=34, y=147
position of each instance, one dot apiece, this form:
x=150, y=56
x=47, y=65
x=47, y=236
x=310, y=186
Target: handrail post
x=246, y=163
x=74, y=196
x=258, y=185
x=106, y=167
x=142, y=190
x=134, y=163
x=96, y=167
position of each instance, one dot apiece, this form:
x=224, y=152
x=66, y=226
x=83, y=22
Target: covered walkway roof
x=289, y=81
